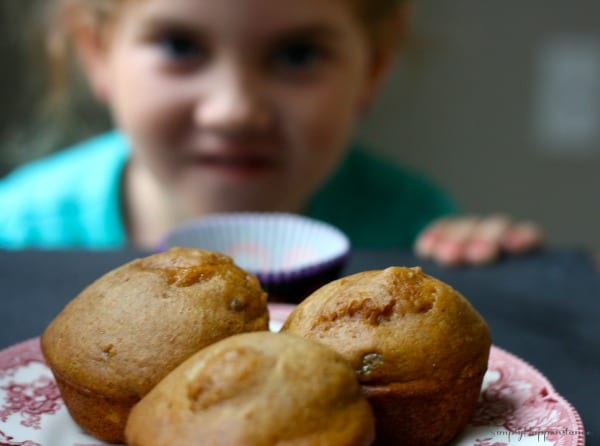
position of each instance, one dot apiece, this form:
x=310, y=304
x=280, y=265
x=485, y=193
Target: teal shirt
x=72, y=199
x=68, y=200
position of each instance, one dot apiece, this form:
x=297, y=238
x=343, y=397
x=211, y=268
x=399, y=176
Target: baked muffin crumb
x=418, y=348
x=127, y=330
x=256, y=389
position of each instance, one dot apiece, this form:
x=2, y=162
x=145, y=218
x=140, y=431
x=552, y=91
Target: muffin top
x=129, y=328
x=256, y=389
x=396, y=325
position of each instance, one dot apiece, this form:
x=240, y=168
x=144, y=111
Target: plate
x=518, y=405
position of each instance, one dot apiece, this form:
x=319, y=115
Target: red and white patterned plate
x=518, y=405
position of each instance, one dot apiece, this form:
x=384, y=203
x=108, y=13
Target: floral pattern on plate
x=518, y=405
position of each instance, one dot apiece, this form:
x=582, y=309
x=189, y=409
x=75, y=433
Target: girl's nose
x=233, y=104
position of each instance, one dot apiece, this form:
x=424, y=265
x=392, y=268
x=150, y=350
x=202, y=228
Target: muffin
x=419, y=349
x=256, y=389
x=122, y=334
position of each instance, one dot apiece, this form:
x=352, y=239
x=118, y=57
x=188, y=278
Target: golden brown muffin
x=256, y=389
x=418, y=347
x=127, y=330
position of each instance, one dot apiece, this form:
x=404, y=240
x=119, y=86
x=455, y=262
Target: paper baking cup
x=291, y=255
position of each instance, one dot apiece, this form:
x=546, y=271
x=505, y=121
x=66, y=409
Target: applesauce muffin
x=418, y=347
x=256, y=389
x=123, y=333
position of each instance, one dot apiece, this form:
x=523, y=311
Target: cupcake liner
x=290, y=254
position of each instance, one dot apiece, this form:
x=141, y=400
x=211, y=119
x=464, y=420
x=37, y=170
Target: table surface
x=543, y=307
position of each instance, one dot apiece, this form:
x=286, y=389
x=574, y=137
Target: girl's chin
x=237, y=200
x=222, y=193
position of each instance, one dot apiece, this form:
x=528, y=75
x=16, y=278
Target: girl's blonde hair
x=66, y=111
x=51, y=106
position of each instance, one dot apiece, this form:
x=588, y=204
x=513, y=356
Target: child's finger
x=428, y=238
x=484, y=246
x=521, y=237
x=453, y=237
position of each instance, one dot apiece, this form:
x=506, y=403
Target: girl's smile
x=241, y=166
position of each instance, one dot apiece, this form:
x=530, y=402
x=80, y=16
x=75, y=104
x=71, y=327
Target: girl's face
x=237, y=104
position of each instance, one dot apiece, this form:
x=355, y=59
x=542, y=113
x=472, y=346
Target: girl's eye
x=298, y=56
x=181, y=48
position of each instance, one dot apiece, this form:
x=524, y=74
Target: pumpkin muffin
x=256, y=389
x=123, y=333
x=418, y=347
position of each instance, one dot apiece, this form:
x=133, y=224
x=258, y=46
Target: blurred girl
x=236, y=105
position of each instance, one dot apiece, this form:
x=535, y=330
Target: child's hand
x=475, y=240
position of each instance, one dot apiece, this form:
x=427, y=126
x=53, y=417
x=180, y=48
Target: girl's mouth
x=234, y=167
